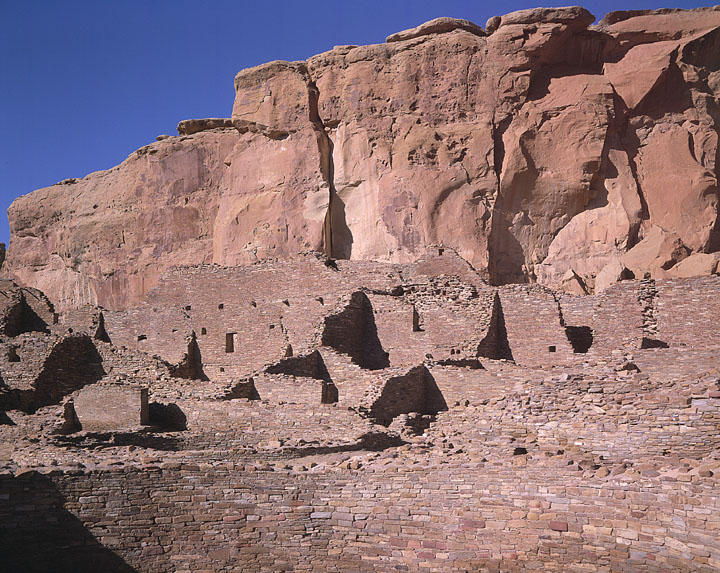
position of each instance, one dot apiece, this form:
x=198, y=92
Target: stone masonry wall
x=688, y=311
x=189, y=517
x=111, y=406
x=532, y=320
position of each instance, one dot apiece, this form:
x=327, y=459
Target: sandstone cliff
x=539, y=149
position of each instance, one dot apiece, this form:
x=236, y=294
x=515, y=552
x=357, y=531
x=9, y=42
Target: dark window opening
x=203, y=330
x=552, y=349
x=580, y=337
x=221, y=306
x=222, y=369
x=188, y=307
x=13, y=355
x=230, y=342
x=329, y=393
x=70, y=330
x=142, y=337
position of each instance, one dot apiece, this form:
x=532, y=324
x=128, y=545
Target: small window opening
x=13, y=355
x=417, y=321
x=188, y=307
x=230, y=342
x=440, y=252
x=221, y=306
x=70, y=330
x=222, y=369
x=552, y=349
x=203, y=330
x=142, y=337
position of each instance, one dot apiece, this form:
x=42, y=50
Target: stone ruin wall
x=186, y=517
x=268, y=322
x=218, y=509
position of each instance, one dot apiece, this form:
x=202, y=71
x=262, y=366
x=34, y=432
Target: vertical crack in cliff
x=498, y=217
x=498, y=130
x=713, y=242
x=630, y=144
x=337, y=237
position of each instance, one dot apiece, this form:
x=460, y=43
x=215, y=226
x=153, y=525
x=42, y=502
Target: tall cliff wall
x=540, y=149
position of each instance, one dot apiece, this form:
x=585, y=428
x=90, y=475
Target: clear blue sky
x=86, y=82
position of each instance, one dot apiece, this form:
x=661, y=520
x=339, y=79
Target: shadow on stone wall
x=413, y=392
x=353, y=331
x=371, y=441
x=37, y=533
x=495, y=345
x=73, y=363
x=22, y=318
x=167, y=416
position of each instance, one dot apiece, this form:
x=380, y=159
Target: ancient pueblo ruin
x=449, y=302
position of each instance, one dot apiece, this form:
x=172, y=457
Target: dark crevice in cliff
x=337, y=236
x=499, y=129
x=598, y=196
x=713, y=242
x=629, y=142
x=500, y=239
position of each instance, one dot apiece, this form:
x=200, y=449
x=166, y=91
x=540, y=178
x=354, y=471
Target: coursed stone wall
x=188, y=517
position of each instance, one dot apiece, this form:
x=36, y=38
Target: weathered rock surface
x=436, y=26
x=190, y=126
x=547, y=151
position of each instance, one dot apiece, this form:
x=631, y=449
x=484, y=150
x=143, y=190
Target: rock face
x=542, y=149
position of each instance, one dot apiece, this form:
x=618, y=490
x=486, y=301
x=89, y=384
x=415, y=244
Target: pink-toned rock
x=436, y=26
x=656, y=253
x=698, y=264
x=575, y=15
x=544, y=152
x=614, y=271
x=640, y=70
x=190, y=126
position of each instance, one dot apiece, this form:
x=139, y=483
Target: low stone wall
x=475, y=517
x=111, y=406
